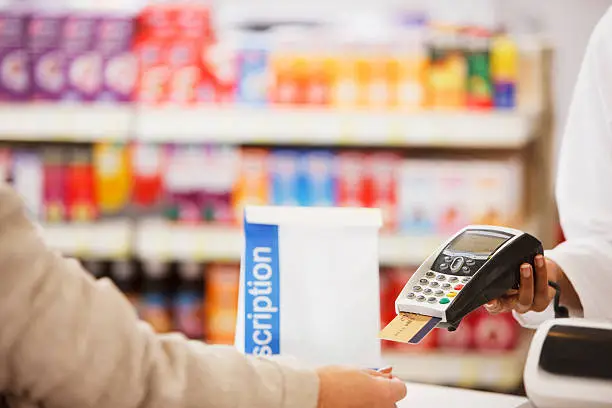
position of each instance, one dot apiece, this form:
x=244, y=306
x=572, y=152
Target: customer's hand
x=352, y=388
x=531, y=296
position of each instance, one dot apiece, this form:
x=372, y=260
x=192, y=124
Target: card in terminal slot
x=409, y=328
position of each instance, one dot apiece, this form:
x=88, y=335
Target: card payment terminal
x=478, y=264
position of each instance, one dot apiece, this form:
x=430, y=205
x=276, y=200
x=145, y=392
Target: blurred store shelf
x=290, y=126
x=100, y=240
x=499, y=371
x=165, y=241
x=286, y=126
x=64, y=122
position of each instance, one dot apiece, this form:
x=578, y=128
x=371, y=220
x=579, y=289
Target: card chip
x=409, y=328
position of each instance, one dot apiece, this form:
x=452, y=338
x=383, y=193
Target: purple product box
x=115, y=36
x=83, y=60
x=47, y=58
x=15, y=84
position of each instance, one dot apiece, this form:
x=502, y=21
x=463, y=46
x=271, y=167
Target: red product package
x=461, y=339
x=157, y=22
x=148, y=168
x=154, y=71
x=381, y=183
x=81, y=205
x=220, y=68
x=495, y=332
x=184, y=75
x=352, y=184
x=193, y=22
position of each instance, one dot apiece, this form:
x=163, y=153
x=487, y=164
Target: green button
x=444, y=301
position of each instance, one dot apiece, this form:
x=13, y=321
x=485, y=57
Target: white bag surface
x=309, y=285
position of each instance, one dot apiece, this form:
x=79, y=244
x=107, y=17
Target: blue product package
x=284, y=177
x=253, y=75
x=316, y=181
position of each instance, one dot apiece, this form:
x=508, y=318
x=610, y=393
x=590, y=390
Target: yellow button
x=452, y=294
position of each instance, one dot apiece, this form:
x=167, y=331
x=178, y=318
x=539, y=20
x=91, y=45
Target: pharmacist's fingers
x=494, y=306
x=386, y=370
x=526, y=290
x=541, y=297
x=396, y=389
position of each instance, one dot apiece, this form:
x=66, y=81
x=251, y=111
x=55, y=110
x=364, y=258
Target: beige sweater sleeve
x=67, y=340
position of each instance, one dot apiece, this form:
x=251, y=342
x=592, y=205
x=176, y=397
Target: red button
x=458, y=287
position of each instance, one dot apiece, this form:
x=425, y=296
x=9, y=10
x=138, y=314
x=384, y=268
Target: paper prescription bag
x=309, y=285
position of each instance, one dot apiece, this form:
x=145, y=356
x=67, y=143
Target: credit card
x=409, y=328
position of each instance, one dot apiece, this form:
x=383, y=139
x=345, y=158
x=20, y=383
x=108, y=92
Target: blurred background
x=137, y=131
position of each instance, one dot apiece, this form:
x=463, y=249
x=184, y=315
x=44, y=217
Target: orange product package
x=112, y=176
x=221, y=305
x=343, y=92
x=253, y=182
x=320, y=72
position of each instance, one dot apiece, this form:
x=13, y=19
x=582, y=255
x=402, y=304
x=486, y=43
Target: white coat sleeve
x=584, y=183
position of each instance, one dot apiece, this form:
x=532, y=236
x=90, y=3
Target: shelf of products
x=324, y=127
x=160, y=240
x=276, y=126
x=64, y=122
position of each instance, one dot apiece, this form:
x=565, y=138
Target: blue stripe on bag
x=262, y=290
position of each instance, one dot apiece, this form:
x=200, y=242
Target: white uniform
x=584, y=184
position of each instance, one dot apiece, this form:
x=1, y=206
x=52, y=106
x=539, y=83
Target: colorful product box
x=459, y=340
x=496, y=192
x=351, y=180
x=221, y=306
x=316, y=182
x=284, y=174
x=157, y=22
x=54, y=185
x=115, y=36
x=253, y=84
x=184, y=72
x=419, y=212
x=48, y=59
x=219, y=172
x=183, y=186
x=15, y=80
x=83, y=60
x=28, y=181
x=252, y=185
x=81, y=205
x=148, y=169
x=495, y=332
x=383, y=177
x=453, y=195
x=220, y=64
x=154, y=71
x=192, y=22
x=112, y=177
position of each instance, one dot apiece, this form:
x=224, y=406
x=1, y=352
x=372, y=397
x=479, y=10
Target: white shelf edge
x=99, y=240
x=159, y=239
x=284, y=125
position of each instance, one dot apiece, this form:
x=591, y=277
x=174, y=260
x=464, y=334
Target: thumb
x=395, y=388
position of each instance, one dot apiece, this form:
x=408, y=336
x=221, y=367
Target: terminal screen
x=476, y=243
